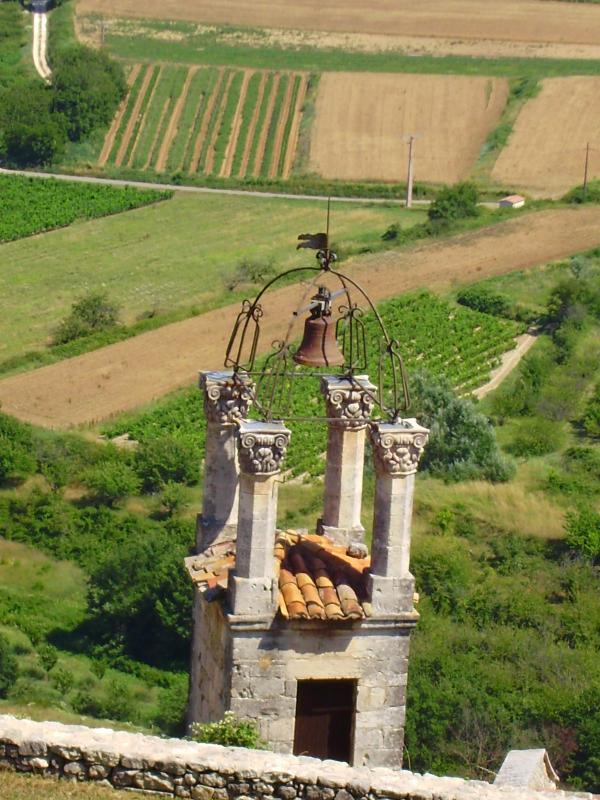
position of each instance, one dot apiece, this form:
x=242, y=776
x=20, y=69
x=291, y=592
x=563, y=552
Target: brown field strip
x=210, y=153
x=236, y=126
x=205, y=123
x=97, y=385
x=363, y=122
x=281, y=123
x=252, y=127
x=290, y=153
x=262, y=142
x=110, y=136
x=545, y=154
x=134, y=116
x=161, y=161
x=543, y=21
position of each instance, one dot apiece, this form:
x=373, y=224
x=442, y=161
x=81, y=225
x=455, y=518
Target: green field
x=26, y=787
x=176, y=254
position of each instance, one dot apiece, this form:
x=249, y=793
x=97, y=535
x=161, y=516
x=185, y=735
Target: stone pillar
x=397, y=448
x=349, y=404
x=227, y=399
x=261, y=448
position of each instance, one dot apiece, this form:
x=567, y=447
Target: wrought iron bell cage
x=272, y=380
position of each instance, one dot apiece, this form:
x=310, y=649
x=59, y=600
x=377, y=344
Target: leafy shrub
x=112, y=481
x=164, y=459
x=229, y=732
x=63, y=679
x=30, y=133
x=172, y=707
x=250, y=271
x=590, y=421
x=173, y=498
x=454, y=202
x=91, y=313
x=392, y=232
x=15, y=449
x=583, y=532
x=48, y=656
x=481, y=298
x=9, y=668
x=536, y=437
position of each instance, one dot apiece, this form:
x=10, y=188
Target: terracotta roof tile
x=317, y=579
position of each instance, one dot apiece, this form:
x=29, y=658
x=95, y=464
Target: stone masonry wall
x=210, y=662
x=267, y=666
x=177, y=768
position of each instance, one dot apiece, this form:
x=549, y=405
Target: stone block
x=97, y=772
x=38, y=764
x=33, y=747
x=124, y=777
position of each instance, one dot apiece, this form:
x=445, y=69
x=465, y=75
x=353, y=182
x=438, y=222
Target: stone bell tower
x=307, y=634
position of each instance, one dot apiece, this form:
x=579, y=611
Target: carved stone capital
x=349, y=402
x=262, y=447
x=227, y=398
x=397, y=447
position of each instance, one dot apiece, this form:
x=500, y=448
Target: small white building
x=512, y=201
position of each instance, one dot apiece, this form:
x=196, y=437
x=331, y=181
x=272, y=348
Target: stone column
x=261, y=448
x=349, y=404
x=397, y=449
x=227, y=399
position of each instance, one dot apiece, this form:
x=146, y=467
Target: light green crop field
x=178, y=254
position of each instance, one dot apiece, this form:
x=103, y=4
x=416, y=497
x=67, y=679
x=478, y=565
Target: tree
x=112, y=481
x=91, y=313
x=30, y=134
x=164, y=459
x=15, y=449
x=87, y=88
x=583, y=532
x=454, y=202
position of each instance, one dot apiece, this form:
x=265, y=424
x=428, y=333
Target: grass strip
x=131, y=100
x=224, y=133
x=141, y=116
x=151, y=119
x=247, y=112
x=206, y=92
x=288, y=124
x=268, y=154
x=175, y=87
x=187, y=119
x=216, y=110
x=260, y=123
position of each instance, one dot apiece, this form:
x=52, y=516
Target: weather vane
x=333, y=337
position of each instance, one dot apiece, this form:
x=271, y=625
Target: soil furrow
x=236, y=126
x=134, y=115
x=145, y=118
x=262, y=142
x=210, y=153
x=205, y=123
x=290, y=153
x=161, y=161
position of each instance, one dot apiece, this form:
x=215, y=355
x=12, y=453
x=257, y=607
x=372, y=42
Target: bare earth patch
x=457, y=22
x=363, y=121
x=545, y=154
x=92, y=387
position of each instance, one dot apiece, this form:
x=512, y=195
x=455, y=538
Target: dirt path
x=40, y=46
x=205, y=122
x=290, y=153
x=252, y=126
x=264, y=134
x=116, y=123
x=97, y=385
x=281, y=123
x=210, y=153
x=161, y=161
x=509, y=361
x=236, y=126
x=134, y=116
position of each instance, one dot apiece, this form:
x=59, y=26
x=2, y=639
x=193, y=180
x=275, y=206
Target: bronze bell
x=319, y=346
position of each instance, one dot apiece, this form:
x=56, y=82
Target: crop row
x=474, y=340
x=34, y=205
x=207, y=120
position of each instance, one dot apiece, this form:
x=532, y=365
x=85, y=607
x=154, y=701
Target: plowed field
x=125, y=375
x=545, y=154
x=363, y=122
x=502, y=20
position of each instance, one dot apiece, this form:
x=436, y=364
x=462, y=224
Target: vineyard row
x=207, y=120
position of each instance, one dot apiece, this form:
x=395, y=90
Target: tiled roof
x=317, y=579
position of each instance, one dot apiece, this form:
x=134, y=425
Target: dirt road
x=94, y=386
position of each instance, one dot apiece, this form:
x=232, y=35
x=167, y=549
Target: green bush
x=454, y=202
x=9, y=668
x=112, y=481
x=48, y=656
x=164, y=459
x=16, y=460
x=590, y=421
x=91, y=313
x=583, y=532
x=536, y=437
x=229, y=732
x=173, y=498
x=481, y=298
x=30, y=133
x=392, y=233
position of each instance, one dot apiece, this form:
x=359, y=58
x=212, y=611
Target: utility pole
x=410, y=178
x=585, y=173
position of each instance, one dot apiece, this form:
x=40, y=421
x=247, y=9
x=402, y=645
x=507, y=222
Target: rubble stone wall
x=177, y=768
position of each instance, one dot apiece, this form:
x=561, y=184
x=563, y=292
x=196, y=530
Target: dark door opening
x=325, y=719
